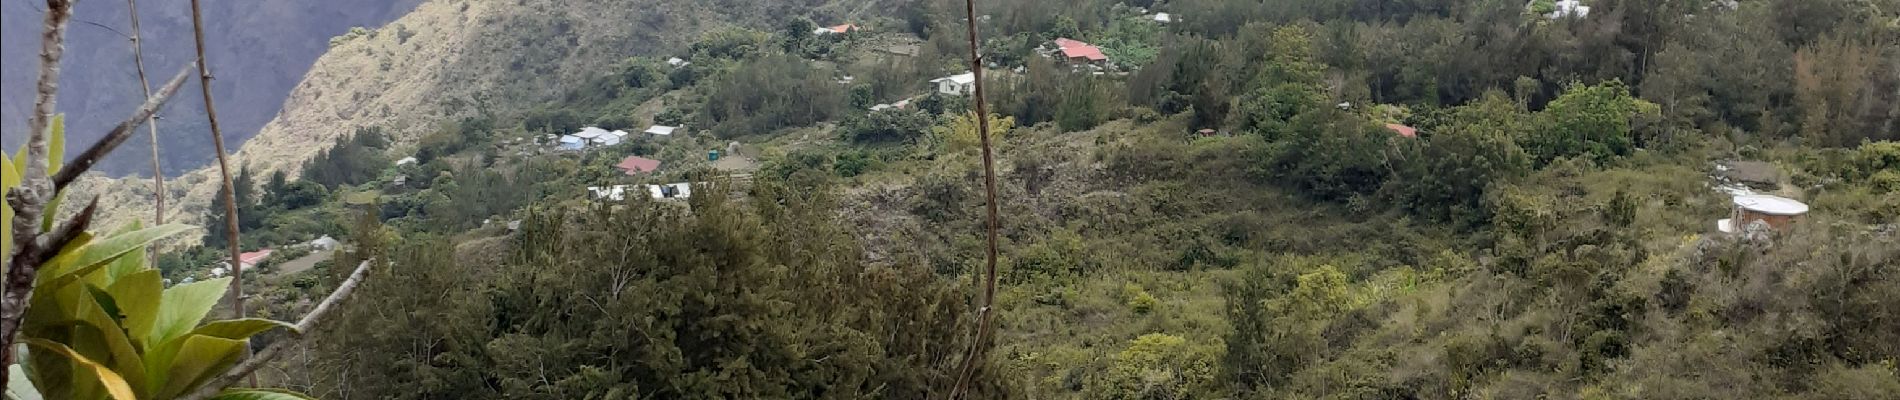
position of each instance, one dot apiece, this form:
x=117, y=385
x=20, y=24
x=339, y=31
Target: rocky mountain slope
x=453, y=58
x=259, y=50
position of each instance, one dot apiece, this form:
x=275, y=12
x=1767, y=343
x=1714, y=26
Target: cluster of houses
x=596, y=137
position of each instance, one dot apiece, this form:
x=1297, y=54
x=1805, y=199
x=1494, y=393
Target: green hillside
x=1318, y=199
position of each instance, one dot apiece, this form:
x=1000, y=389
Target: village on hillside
x=654, y=152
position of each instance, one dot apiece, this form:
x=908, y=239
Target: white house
x=956, y=85
x=670, y=191
x=676, y=62
x=661, y=130
x=406, y=161
x=1163, y=18
x=615, y=192
x=324, y=243
x=1570, y=8
x=572, y=143
x=590, y=133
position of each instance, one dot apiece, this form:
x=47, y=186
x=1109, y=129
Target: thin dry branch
x=304, y=326
x=158, y=171
x=224, y=165
x=978, y=347
x=29, y=199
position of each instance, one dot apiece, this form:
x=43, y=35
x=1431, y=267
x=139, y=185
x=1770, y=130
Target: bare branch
x=979, y=347
x=30, y=198
x=309, y=322
x=52, y=49
x=120, y=134
x=52, y=242
x=158, y=172
x=224, y=165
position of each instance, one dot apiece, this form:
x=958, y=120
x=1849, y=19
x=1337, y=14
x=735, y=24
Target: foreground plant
x=100, y=323
x=95, y=318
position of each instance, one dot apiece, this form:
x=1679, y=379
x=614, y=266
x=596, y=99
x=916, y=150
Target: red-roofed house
x=840, y=29
x=252, y=258
x=1076, y=51
x=1403, y=130
x=247, y=260
x=635, y=165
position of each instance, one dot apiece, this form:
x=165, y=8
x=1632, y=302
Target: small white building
x=1163, y=18
x=406, y=161
x=956, y=85
x=590, y=133
x=661, y=130
x=670, y=191
x=615, y=192
x=676, y=62
x=571, y=143
x=324, y=243
x=1775, y=212
x=1570, y=8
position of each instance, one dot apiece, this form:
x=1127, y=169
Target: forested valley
x=1198, y=199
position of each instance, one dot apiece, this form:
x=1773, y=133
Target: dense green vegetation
x=1548, y=233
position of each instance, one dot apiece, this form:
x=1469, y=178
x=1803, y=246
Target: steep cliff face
x=448, y=59
x=259, y=50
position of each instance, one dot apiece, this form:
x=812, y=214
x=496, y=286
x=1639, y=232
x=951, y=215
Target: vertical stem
x=978, y=347
x=158, y=172
x=224, y=169
x=29, y=199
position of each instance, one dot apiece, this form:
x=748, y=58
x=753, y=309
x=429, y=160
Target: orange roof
x=1072, y=48
x=846, y=28
x=254, y=257
x=1403, y=130
x=634, y=165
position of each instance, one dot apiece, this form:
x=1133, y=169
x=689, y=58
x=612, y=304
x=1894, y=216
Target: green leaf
x=184, y=306
x=198, y=360
x=139, y=296
x=56, y=150
x=105, y=250
x=9, y=177
x=241, y=329
x=103, y=336
x=114, y=384
x=260, y=394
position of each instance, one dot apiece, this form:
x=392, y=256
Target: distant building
x=609, y=139
x=406, y=161
x=1403, y=130
x=1163, y=18
x=956, y=85
x=836, y=30
x=1778, y=213
x=635, y=165
x=676, y=62
x=571, y=143
x=615, y=192
x=590, y=133
x=324, y=243
x=661, y=130
x=670, y=191
x=1078, y=52
x=1570, y=8
x=245, y=260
